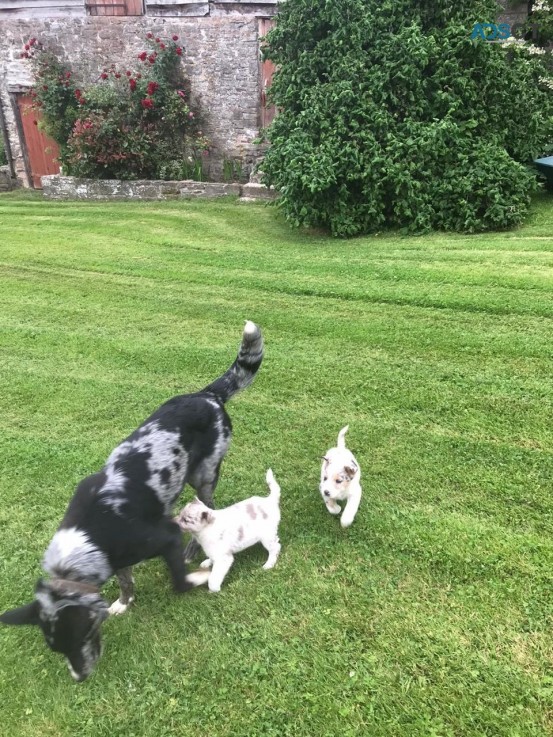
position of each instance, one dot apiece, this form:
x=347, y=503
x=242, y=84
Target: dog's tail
x=342, y=437
x=242, y=372
x=274, y=488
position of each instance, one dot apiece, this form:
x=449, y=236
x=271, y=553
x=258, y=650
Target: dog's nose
x=326, y=493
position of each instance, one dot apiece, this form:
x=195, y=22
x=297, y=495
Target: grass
x=431, y=616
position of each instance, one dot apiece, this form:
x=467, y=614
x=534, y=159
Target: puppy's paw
x=197, y=578
x=206, y=563
x=118, y=607
x=334, y=508
x=213, y=589
x=345, y=522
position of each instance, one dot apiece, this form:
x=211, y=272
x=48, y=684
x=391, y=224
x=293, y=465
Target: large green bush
x=390, y=115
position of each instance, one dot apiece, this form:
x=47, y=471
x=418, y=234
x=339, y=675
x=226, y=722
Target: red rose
x=162, y=46
x=128, y=73
x=157, y=40
x=139, y=76
x=103, y=75
x=117, y=76
x=175, y=38
x=77, y=94
x=178, y=51
x=147, y=102
x=27, y=47
x=142, y=56
x=152, y=87
x=132, y=84
x=149, y=35
x=152, y=58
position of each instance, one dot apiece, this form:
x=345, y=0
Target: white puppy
x=223, y=532
x=340, y=475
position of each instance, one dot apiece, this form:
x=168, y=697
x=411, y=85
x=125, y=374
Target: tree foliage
x=390, y=115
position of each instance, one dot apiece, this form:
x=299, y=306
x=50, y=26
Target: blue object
x=545, y=167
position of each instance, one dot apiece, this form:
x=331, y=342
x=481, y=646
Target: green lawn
x=432, y=615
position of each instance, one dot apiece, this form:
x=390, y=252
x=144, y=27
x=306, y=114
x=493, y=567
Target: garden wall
x=57, y=187
x=221, y=60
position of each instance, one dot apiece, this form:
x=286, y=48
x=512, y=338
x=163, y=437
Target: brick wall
x=221, y=60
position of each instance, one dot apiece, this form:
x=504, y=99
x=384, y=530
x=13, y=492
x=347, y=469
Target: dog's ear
x=27, y=614
x=324, y=458
x=350, y=472
x=206, y=516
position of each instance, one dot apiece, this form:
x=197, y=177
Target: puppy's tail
x=242, y=372
x=274, y=488
x=342, y=437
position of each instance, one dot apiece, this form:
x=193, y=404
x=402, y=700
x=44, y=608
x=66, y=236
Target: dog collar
x=64, y=585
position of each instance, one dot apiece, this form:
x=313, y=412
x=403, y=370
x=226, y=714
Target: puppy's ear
x=206, y=517
x=27, y=614
x=324, y=458
x=350, y=472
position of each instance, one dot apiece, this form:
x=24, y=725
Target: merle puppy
x=121, y=515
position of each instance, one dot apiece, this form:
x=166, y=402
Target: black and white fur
x=121, y=515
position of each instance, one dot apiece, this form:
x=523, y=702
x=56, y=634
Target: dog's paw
x=214, y=589
x=206, y=563
x=197, y=578
x=345, y=522
x=118, y=607
x=334, y=508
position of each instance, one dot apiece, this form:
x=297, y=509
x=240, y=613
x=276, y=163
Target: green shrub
x=390, y=115
x=130, y=124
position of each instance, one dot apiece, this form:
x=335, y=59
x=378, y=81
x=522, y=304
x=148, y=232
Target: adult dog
x=121, y=515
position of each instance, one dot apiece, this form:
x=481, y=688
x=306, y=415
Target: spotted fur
x=120, y=515
x=224, y=532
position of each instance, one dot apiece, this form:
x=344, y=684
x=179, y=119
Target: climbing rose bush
x=132, y=123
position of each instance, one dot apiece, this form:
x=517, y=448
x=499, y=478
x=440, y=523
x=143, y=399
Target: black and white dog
x=121, y=515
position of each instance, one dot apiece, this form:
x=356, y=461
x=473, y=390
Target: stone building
x=222, y=62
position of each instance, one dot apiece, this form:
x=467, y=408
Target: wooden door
x=42, y=151
x=268, y=112
x=114, y=7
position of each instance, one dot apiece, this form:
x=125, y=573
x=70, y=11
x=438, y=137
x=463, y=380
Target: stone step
x=252, y=191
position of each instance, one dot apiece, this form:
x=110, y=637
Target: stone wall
x=512, y=12
x=221, y=61
x=57, y=187
x=6, y=181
